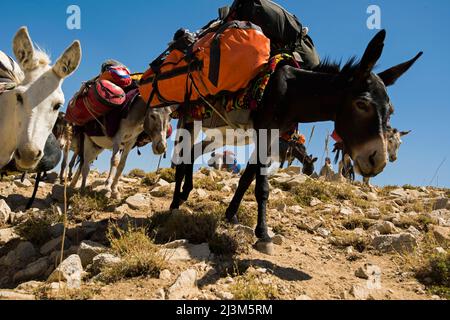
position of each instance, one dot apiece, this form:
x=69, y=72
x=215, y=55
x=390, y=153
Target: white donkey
x=31, y=99
x=155, y=123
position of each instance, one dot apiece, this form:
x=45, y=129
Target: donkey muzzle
x=28, y=158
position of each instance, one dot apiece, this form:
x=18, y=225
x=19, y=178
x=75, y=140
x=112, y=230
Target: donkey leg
x=91, y=152
x=262, y=196
x=244, y=183
x=123, y=160
x=179, y=177
x=36, y=187
x=72, y=165
x=115, y=160
x=62, y=173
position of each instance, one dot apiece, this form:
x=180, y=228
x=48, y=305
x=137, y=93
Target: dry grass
x=430, y=267
x=326, y=192
x=418, y=206
x=249, y=287
x=420, y=222
x=139, y=255
x=357, y=222
x=196, y=227
x=228, y=242
x=167, y=174
x=162, y=192
x=137, y=173
x=208, y=184
x=150, y=179
x=386, y=190
x=36, y=229
x=90, y=201
x=85, y=293
x=343, y=239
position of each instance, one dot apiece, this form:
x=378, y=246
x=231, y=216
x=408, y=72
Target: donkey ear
x=371, y=55
x=24, y=50
x=315, y=160
x=391, y=75
x=69, y=61
x=405, y=133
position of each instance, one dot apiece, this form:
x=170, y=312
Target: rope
x=211, y=106
x=61, y=258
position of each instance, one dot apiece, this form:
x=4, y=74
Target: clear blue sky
x=135, y=32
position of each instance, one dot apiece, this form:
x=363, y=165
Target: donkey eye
x=19, y=98
x=362, y=105
x=57, y=106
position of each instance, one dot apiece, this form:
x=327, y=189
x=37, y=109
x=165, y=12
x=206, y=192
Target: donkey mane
x=336, y=67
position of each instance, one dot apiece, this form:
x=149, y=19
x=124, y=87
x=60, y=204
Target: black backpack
x=282, y=28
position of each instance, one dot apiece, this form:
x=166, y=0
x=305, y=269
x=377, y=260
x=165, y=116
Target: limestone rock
x=123, y=209
x=32, y=271
x=104, y=260
x=315, y=202
x=5, y=212
x=440, y=204
x=88, y=250
x=402, y=243
x=442, y=235
x=223, y=295
x=12, y=295
x=69, y=271
x=187, y=252
x=20, y=256
x=373, y=213
x=138, y=202
x=23, y=184
x=6, y=235
x=185, y=283
x=372, y=273
x=385, y=227
x=53, y=245
x=165, y=275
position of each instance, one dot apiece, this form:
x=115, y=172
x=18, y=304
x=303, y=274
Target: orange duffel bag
x=222, y=61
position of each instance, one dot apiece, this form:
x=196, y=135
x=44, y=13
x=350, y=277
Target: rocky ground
x=331, y=241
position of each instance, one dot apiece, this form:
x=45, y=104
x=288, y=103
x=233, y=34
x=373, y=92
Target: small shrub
x=139, y=255
x=196, y=227
x=36, y=229
x=150, y=179
x=386, y=190
x=345, y=239
x=249, y=287
x=229, y=242
x=207, y=184
x=420, y=222
x=418, y=206
x=167, y=174
x=137, y=173
x=358, y=222
x=89, y=202
x=435, y=272
x=161, y=192
x=323, y=191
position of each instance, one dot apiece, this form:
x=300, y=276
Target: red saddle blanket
x=110, y=122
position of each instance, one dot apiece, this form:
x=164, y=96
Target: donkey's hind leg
x=244, y=183
x=115, y=160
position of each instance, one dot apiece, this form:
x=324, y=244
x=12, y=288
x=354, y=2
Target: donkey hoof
x=265, y=247
x=233, y=220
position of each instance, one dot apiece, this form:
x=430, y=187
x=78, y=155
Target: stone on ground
x=401, y=243
x=88, y=250
x=69, y=271
x=5, y=212
x=184, y=285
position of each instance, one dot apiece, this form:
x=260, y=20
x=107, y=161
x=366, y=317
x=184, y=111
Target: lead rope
x=69, y=136
x=211, y=106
